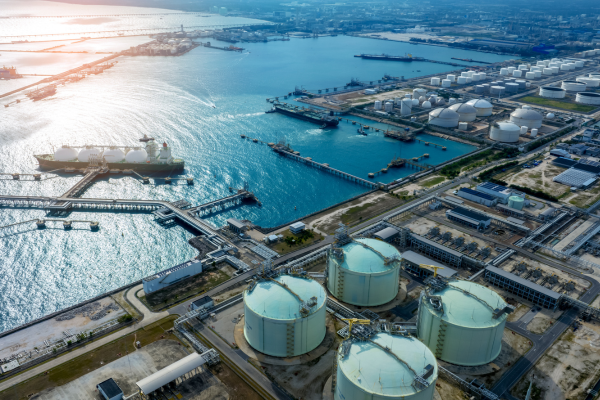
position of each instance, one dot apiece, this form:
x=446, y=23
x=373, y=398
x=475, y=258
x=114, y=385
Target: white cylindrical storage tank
x=573, y=86
x=458, y=323
x=537, y=74
x=482, y=75
x=426, y=104
x=516, y=202
x=479, y=89
x=505, y=131
x=451, y=77
x=359, y=275
x=444, y=117
x=546, y=62
x=377, y=105
x=475, y=77
x=521, y=83
x=523, y=67
x=547, y=71
x=397, y=100
x=589, y=82
x=464, y=73
x=534, y=132
x=555, y=70
x=136, y=156
x=552, y=92
x=526, y=117
x=540, y=63
x=469, y=79
x=595, y=76
x=408, y=96
x=466, y=112
x=435, y=81
x=590, y=98
x=446, y=83
x=66, y=153
x=503, y=71
x=389, y=106
x=463, y=126
x=524, y=130
x=461, y=80
x=451, y=101
x=530, y=75
x=384, y=368
x=578, y=64
x=484, y=108
x=285, y=317
x=511, y=70
x=496, y=90
x=564, y=67
x=418, y=92
x=533, y=69
x=113, y=155
x=517, y=73
x=511, y=87
x=406, y=107
x=87, y=153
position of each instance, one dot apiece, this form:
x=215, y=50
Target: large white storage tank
x=526, y=117
x=552, y=92
x=484, y=108
x=364, y=272
x=466, y=112
x=66, y=153
x=384, y=368
x=591, y=98
x=285, y=317
x=444, y=117
x=505, y=131
x=136, y=156
x=87, y=153
x=459, y=324
x=113, y=155
x=573, y=86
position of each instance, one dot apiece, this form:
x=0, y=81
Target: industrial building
x=502, y=193
x=470, y=218
x=462, y=323
x=477, y=197
x=387, y=234
x=284, y=316
x=412, y=260
x=297, y=227
x=364, y=272
x=110, y=390
x=436, y=251
x=518, y=286
x=236, y=225
x=172, y=275
x=203, y=303
x=576, y=178
x=385, y=367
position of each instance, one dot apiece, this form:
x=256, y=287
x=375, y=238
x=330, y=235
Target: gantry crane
x=431, y=267
x=352, y=321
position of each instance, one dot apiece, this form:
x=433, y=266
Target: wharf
x=471, y=60
x=230, y=48
x=431, y=143
x=385, y=57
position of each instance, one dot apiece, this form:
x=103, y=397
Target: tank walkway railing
x=480, y=392
x=345, y=175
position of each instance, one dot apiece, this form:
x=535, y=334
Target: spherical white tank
x=87, y=153
x=527, y=117
x=444, y=117
x=359, y=275
x=505, y=132
x=285, y=317
x=458, y=323
x=384, y=368
x=136, y=156
x=426, y=104
x=113, y=155
x=66, y=153
x=484, y=108
x=466, y=112
x=415, y=102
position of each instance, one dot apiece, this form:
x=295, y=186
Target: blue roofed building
x=502, y=193
x=470, y=218
x=477, y=197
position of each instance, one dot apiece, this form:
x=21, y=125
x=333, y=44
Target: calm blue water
x=172, y=99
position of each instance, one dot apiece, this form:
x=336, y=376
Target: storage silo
x=505, y=132
x=511, y=87
x=462, y=323
x=385, y=367
x=364, y=272
x=484, y=108
x=466, y=112
x=444, y=117
x=285, y=316
x=516, y=202
x=527, y=117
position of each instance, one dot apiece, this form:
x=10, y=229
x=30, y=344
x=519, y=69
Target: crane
x=352, y=321
x=432, y=267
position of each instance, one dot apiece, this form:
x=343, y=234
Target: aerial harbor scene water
x=268, y=200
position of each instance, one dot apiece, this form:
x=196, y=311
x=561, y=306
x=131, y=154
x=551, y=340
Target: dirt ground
x=236, y=387
x=449, y=391
x=568, y=369
x=521, y=310
x=538, y=178
x=543, y=320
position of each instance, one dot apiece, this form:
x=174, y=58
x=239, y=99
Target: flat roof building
x=469, y=218
x=436, y=250
x=412, y=260
x=502, y=193
x=110, y=390
x=518, y=286
x=297, y=227
x=387, y=234
x=236, y=225
x=203, y=303
x=477, y=197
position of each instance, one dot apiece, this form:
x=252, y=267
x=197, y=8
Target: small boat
x=362, y=132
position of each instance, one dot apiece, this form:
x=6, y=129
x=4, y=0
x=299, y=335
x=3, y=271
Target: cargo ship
x=147, y=157
x=309, y=115
x=386, y=57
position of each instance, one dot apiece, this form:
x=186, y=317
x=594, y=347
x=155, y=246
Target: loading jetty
x=230, y=48
x=403, y=162
x=471, y=60
x=405, y=58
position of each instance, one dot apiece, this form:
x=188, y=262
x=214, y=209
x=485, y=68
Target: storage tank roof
x=480, y=103
x=359, y=258
x=470, y=311
x=376, y=371
x=508, y=126
x=444, y=113
x=464, y=108
x=527, y=114
x=271, y=300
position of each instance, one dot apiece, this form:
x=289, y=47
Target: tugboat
x=361, y=131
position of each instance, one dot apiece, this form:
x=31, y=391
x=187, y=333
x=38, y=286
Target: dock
x=431, y=143
x=403, y=162
x=67, y=224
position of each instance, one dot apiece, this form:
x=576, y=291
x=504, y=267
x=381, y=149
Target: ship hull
x=46, y=163
x=328, y=122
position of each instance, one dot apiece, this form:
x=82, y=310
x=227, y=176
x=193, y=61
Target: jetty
x=431, y=143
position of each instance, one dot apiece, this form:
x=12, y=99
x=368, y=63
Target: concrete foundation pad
x=242, y=343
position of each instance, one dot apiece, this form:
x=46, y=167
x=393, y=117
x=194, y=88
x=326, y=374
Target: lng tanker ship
x=148, y=156
x=306, y=114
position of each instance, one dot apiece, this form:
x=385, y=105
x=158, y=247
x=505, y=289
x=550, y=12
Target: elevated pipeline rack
x=67, y=224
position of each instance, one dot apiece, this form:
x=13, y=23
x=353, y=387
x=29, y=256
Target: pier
x=403, y=162
x=218, y=205
x=67, y=224
x=431, y=143
x=91, y=173
x=285, y=151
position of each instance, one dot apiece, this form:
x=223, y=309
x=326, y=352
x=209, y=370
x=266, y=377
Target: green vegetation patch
x=558, y=104
x=485, y=157
x=434, y=181
x=292, y=242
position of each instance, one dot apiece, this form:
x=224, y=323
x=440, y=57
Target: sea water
x=200, y=104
